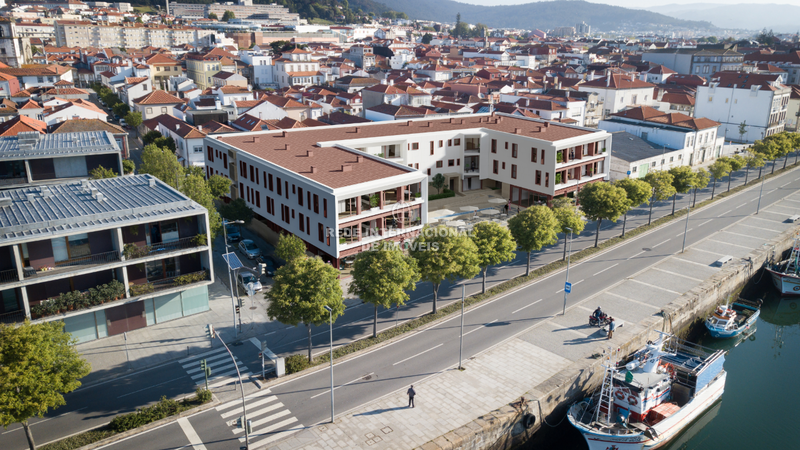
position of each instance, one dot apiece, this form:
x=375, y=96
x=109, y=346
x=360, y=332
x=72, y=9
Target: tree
x=569, y=218
x=151, y=136
x=427, y=38
x=101, y=172
x=121, y=109
x=601, y=201
x=194, y=170
x=382, y=277
x=133, y=119
x=736, y=162
x=438, y=182
x=443, y=254
x=166, y=142
x=495, y=245
x=301, y=290
x=219, y=185
x=637, y=192
x=38, y=364
x=767, y=149
x=682, y=177
x=752, y=159
x=718, y=169
x=228, y=15
x=162, y=164
x=783, y=146
x=213, y=16
x=128, y=166
x=237, y=210
x=661, y=184
x=700, y=181
x=534, y=228
x=766, y=37
x=196, y=188
x=290, y=247
x=742, y=130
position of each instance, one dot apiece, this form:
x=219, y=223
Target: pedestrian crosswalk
x=223, y=371
x=270, y=419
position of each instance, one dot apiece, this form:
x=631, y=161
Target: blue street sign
x=629, y=172
x=567, y=287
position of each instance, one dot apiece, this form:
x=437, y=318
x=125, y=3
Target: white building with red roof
x=620, y=91
x=76, y=109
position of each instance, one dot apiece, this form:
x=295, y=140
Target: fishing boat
x=786, y=274
x=731, y=320
x=651, y=396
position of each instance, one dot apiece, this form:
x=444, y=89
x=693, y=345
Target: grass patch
x=144, y=10
x=321, y=22
x=509, y=285
x=124, y=422
x=447, y=193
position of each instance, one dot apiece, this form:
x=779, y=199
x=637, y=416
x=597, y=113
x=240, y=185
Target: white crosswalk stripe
x=269, y=418
x=223, y=370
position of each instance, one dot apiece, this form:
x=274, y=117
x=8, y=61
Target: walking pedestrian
x=507, y=205
x=411, y=393
x=611, y=326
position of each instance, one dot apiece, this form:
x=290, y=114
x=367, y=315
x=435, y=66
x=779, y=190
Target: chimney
x=287, y=147
x=177, y=127
x=100, y=197
x=357, y=130
x=347, y=168
x=256, y=139
x=608, y=79
x=359, y=159
x=313, y=169
x=94, y=192
x=310, y=153
x=517, y=131
x=200, y=128
x=30, y=196
x=409, y=123
x=152, y=182
x=546, y=125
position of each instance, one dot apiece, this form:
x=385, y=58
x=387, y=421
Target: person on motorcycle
x=598, y=313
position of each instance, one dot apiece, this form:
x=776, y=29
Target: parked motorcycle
x=599, y=322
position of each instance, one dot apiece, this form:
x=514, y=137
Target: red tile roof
x=21, y=124
x=647, y=114
x=158, y=98
x=617, y=81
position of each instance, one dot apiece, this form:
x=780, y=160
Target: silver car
x=244, y=279
x=249, y=249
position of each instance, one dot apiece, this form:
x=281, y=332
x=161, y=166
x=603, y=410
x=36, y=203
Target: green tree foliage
x=742, y=130
x=534, y=228
x=700, y=181
x=443, y=254
x=682, y=177
x=569, y=218
x=151, y=136
x=38, y=365
x=196, y=188
x=162, y=164
x=438, y=182
x=219, y=185
x=661, y=184
x=133, y=119
x=394, y=15
x=718, y=169
x=382, y=276
x=301, y=290
x=121, y=109
x=128, y=166
x=737, y=162
x=637, y=191
x=495, y=245
x=213, y=16
x=766, y=37
x=602, y=201
x=752, y=159
x=290, y=247
x=427, y=38
x=237, y=210
x=101, y=172
x=228, y=15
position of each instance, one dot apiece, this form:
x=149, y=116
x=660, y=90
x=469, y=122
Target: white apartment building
x=334, y=171
x=619, y=91
x=759, y=101
x=70, y=33
x=261, y=61
x=296, y=68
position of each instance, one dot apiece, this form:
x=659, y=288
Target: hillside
x=748, y=16
x=543, y=15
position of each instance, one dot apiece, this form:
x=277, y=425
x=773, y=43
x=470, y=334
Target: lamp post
x=241, y=386
x=330, y=321
x=569, y=254
x=758, y=208
x=230, y=277
x=461, y=339
x=685, y=229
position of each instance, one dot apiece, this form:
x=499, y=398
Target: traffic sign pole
x=567, y=284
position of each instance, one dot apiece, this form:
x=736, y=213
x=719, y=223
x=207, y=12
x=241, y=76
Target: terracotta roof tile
x=21, y=124
x=158, y=98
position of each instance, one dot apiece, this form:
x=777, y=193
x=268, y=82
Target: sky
x=631, y=3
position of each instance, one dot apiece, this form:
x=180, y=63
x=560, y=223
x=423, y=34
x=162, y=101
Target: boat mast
x=607, y=389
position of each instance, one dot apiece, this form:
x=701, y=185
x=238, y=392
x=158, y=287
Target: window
x=438, y=164
x=457, y=141
x=441, y=143
x=163, y=110
x=514, y=171
x=149, y=110
x=494, y=145
x=258, y=198
x=302, y=222
x=458, y=161
x=494, y=167
x=321, y=232
x=270, y=182
x=542, y=156
x=316, y=204
x=514, y=149
x=431, y=147
x=534, y=152
x=633, y=170
x=252, y=173
x=300, y=197
x=325, y=207
x=279, y=186
x=287, y=189
x=415, y=146
x=449, y=142
x=547, y=179
x=429, y=172
x=210, y=154
x=538, y=177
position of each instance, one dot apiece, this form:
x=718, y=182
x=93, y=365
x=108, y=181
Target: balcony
x=12, y=317
x=13, y=181
x=472, y=145
x=133, y=251
x=168, y=283
x=67, y=265
x=7, y=276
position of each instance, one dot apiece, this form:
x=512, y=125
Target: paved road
x=304, y=401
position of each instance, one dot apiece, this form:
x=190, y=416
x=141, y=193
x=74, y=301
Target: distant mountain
x=543, y=15
x=748, y=16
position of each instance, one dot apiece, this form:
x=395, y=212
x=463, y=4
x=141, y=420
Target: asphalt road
x=305, y=400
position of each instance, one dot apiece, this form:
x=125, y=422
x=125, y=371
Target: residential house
x=695, y=61
x=156, y=103
x=619, y=91
x=76, y=109
x=188, y=139
x=296, y=68
x=39, y=76
x=119, y=134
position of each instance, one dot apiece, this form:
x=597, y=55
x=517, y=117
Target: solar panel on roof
x=232, y=260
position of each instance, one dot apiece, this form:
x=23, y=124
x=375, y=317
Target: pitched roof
x=745, y=80
x=158, y=97
x=21, y=124
x=75, y=125
x=618, y=81
x=651, y=115
x=179, y=127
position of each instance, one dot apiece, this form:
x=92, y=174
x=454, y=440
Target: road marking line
x=661, y=243
x=219, y=365
x=233, y=403
x=228, y=380
x=607, y=268
x=634, y=256
x=677, y=274
x=738, y=234
x=767, y=220
x=789, y=200
x=480, y=327
x=726, y=212
x=188, y=430
x=743, y=204
x=784, y=184
x=632, y=300
x=681, y=234
x=654, y=286
x=238, y=410
x=560, y=291
x=185, y=360
x=421, y=353
x=770, y=192
x=275, y=436
x=537, y=301
x=195, y=364
x=255, y=342
x=728, y=243
x=353, y=381
x=214, y=376
x=709, y=220
x=267, y=419
x=576, y=283
x=149, y=387
x=269, y=429
x=694, y=262
x=262, y=411
x=759, y=228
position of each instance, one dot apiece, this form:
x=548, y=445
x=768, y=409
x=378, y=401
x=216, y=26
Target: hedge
x=447, y=193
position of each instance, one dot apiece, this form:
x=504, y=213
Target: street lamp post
x=685, y=229
x=758, y=208
x=461, y=339
x=330, y=321
x=230, y=277
x=241, y=388
x=569, y=254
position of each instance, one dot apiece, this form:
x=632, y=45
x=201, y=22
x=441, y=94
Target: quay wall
x=513, y=424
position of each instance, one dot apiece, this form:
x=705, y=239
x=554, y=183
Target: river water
x=759, y=408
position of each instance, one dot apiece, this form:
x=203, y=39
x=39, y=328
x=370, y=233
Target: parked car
x=232, y=231
x=122, y=123
x=243, y=279
x=269, y=269
x=249, y=249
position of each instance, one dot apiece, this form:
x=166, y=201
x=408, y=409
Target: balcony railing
x=133, y=251
x=168, y=283
x=13, y=181
x=7, y=276
x=98, y=258
x=12, y=317
x=472, y=148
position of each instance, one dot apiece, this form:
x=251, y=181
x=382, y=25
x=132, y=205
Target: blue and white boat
x=729, y=321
